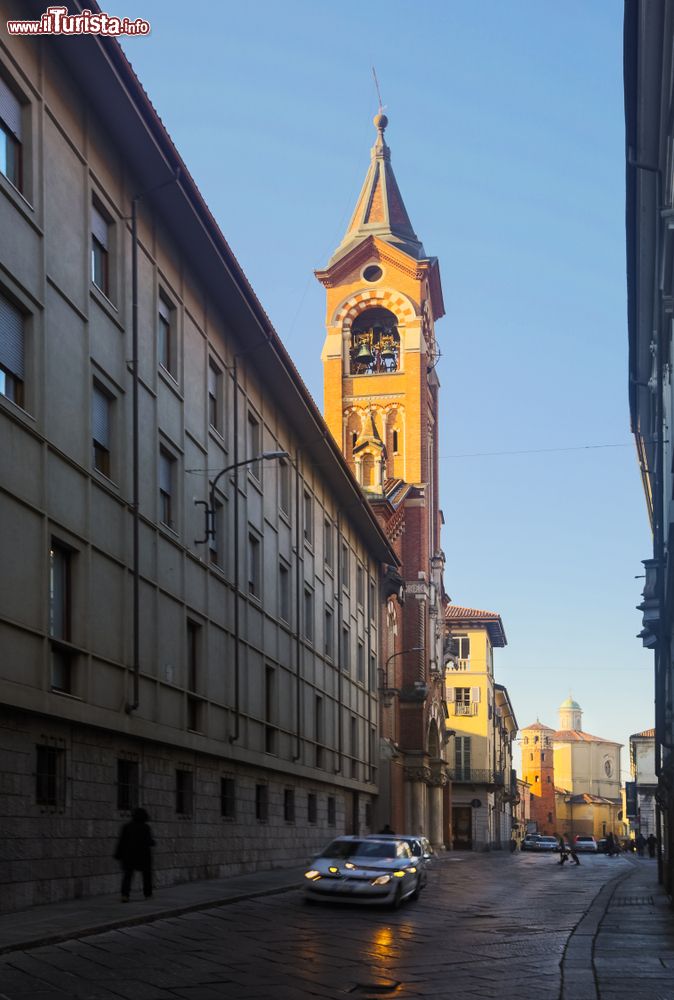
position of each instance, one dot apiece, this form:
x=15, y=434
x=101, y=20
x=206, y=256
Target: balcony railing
x=477, y=776
x=457, y=664
x=462, y=709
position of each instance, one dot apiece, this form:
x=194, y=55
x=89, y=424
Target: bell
x=388, y=354
x=364, y=355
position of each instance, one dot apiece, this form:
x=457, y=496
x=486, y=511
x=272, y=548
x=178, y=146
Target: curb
x=147, y=918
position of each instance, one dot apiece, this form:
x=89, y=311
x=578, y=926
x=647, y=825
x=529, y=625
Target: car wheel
x=397, y=899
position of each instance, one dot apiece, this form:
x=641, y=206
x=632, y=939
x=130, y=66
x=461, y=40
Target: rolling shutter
x=11, y=339
x=100, y=418
x=10, y=110
x=99, y=227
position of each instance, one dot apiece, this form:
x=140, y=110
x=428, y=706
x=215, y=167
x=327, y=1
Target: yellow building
x=484, y=725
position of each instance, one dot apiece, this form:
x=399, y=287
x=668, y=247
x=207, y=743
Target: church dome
x=570, y=703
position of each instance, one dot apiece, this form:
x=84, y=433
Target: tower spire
x=380, y=210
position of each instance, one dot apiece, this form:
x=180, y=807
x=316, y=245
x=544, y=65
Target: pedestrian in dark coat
x=610, y=845
x=134, y=852
x=563, y=853
x=652, y=842
x=641, y=843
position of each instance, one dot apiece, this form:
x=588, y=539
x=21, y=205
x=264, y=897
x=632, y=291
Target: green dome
x=570, y=703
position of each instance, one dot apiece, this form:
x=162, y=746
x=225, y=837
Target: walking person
x=563, y=853
x=572, y=852
x=651, y=844
x=134, y=852
x=641, y=843
x=610, y=845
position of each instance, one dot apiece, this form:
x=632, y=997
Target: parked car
x=529, y=842
x=602, y=846
x=420, y=848
x=585, y=844
x=546, y=844
x=364, y=870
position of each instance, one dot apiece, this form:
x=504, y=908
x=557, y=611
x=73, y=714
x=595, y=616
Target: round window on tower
x=372, y=273
x=608, y=767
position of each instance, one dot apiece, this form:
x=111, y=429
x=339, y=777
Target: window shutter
x=10, y=110
x=475, y=695
x=165, y=464
x=99, y=227
x=213, y=380
x=100, y=418
x=164, y=309
x=11, y=338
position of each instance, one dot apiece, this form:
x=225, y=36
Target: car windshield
x=360, y=849
x=548, y=840
x=585, y=840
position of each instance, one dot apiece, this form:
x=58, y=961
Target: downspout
x=237, y=597
x=298, y=602
x=135, y=459
x=340, y=631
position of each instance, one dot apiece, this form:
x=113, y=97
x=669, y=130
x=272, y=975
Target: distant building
x=642, y=768
x=578, y=776
x=484, y=725
x=521, y=809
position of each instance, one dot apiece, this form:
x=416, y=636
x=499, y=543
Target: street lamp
x=209, y=512
x=386, y=690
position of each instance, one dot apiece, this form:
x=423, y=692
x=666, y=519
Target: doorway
x=462, y=828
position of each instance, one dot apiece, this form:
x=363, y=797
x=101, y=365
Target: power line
x=534, y=451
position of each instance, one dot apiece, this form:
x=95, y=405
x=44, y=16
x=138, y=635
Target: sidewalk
x=76, y=918
x=634, y=944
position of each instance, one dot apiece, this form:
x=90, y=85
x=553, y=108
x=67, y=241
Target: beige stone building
x=219, y=669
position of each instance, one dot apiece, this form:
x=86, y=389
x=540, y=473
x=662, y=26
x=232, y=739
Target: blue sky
x=507, y=138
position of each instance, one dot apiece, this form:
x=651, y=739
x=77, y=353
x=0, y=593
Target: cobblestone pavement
x=486, y=926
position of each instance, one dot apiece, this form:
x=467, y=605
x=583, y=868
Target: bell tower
x=383, y=299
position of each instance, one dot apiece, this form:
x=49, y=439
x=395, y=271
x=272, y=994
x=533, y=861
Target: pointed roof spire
x=380, y=210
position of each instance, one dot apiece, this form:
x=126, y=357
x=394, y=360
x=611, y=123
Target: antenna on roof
x=376, y=83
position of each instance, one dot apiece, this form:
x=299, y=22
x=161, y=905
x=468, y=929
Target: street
x=489, y=925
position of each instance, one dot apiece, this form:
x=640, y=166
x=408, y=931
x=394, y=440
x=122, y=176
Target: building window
x=462, y=757
x=360, y=664
x=167, y=475
x=373, y=602
x=462, y=696
x=254, y=445
x=373, y=672
x=354, y=747
x=254, y=582
x=60, y=616
x=549, y=817
x=548, y=779
x=308, y=518
x=329, y=633
x=311, y=807
x=395, y=442
x=215, y=542
x=308, y=614
x=360, y=585
x=12, y=343
x=101, y=406
x=214, y=396
x=332, y=811
x=192, y=659
x=11, y=148
x=328, y=545
x=166, y=336
x=261, y=803
x=542, y=756
x=289, y=805
x=463, y=646
x=100, y=250
x=228, y=798
x=127, y=784
x=345, y=567
x=184, y=792
x=536, y=779
x=50, y=777
x=284, y=592
x=195, y=722
x=531, y=756
x=318, y=730
x=284, y=486
x=269, y=710
x=345, y=653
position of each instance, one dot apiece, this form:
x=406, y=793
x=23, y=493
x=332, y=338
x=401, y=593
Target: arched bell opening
x=375, y=343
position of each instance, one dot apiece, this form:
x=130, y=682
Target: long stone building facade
x=208, y=650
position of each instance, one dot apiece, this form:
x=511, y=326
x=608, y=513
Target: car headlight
x=333, y=870
x=413, y=870
x=349, y=865
x=400, y=874
x=381, y=880
x=313, y=875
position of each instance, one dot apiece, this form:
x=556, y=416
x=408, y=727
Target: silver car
x=363, y=870
x=420, y=847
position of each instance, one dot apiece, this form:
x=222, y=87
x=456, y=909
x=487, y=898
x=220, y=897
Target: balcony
x=456, y=665
x=479, y=776
x=463, y=709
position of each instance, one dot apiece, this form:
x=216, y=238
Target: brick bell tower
x=383, y=297
x=538, y=769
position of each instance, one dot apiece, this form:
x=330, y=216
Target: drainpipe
x=298, y=601
x=368, y=677
x=135, y=461
x=338, y=768
x=237, y=600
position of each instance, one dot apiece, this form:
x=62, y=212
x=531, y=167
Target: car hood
x=323, y=865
